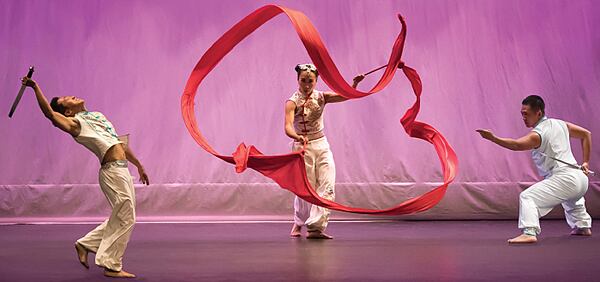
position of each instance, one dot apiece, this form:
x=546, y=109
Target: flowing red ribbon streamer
x=288, y=170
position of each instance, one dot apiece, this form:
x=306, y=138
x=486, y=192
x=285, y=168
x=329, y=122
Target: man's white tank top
x=555, y=143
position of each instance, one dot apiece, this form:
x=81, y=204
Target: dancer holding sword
x=564, y=182
x=92, y=130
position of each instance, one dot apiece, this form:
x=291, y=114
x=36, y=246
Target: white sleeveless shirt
x=308, y=115
x=555, y=143
x=97, y=133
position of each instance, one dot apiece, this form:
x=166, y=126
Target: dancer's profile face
x=307, y=81
x=530, y=117
x=71, y=103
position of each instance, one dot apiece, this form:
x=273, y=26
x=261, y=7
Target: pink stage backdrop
x=130, y=60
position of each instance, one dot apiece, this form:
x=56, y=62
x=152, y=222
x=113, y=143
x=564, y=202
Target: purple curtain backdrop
x=131, y=59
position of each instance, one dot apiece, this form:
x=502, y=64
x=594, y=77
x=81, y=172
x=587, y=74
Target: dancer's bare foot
x=296, y=231
x=318, y=235
x=118, y=274
x=523, y=239
x=82, y=254
x=581, y=232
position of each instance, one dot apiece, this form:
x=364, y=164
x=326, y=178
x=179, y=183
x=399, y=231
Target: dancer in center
x=304, y=124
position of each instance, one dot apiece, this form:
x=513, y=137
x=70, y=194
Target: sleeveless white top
x=97, y=133
x=308, y=115
x=555, y=143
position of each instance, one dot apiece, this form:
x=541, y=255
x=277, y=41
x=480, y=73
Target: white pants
x=567, y=187
x=320, y=170
x=109, y=239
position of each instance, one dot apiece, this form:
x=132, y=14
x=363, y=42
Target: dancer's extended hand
x=28, y=82
x=143, y=176
x=486, y=133
x=357, y=79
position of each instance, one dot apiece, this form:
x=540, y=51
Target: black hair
x=535, y=102
x=299, y=70
x=57, y=107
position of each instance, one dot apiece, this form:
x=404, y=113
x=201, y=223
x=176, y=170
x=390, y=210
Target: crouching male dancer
x=562, y=184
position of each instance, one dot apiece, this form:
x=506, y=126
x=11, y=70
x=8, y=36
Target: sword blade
x=569, y=164
x=21, y=91
x=16, y=102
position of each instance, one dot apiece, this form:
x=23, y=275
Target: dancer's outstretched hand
x=143, y=176
x=28, y=82
x=357, y=79
x=486, y=133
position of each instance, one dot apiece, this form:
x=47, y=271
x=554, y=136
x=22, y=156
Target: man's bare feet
x=82, y=254
x=296, y=231
x=318, y=235
x=581, y=232
x=523, y=239
x=118, y=274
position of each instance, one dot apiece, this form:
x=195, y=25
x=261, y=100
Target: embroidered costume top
x=308, y=115
x=97, y=133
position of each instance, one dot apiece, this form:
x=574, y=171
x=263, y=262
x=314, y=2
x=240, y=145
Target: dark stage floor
x=373, y=251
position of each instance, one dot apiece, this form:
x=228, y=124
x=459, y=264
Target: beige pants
x=320, y=170
x=567, y=187
x=109, y=239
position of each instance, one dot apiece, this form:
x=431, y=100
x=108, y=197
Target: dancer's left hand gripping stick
x=21, y=91
x=576, y=166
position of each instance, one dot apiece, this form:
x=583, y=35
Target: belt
x=314, y=136
x=117, y=163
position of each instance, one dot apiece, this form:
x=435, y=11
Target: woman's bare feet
x=581, y=232
x=523, y=239
x=318, y=235
x=296, y=231
x=82, y=254
x=118, y=274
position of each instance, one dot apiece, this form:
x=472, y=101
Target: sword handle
x=589, y=171
x=30, y=73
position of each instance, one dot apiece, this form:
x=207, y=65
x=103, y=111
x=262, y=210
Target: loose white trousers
x=109, y=239
x=320, y=169
x=566, y=186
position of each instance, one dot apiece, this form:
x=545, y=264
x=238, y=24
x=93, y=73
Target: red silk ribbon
x=288, y=170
